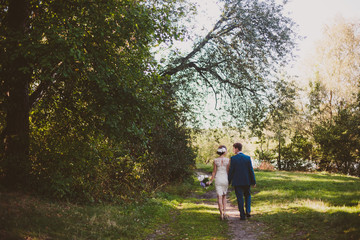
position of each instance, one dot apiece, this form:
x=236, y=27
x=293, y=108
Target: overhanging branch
x=182, y=62
x=40, y=91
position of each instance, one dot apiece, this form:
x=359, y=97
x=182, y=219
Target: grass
x=196, y=221
x=168, y=215
x=297, y=205
x=192, y=217
x=289, y=205
x=28, y=217
x=205, y=167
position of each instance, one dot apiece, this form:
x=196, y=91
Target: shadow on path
x=245, y=230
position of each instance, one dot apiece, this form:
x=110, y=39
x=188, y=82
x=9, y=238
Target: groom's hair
x=238, y=146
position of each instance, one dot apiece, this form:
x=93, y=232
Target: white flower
x=201, y=177
x=222, y=150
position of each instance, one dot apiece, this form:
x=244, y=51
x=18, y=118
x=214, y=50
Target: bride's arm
x=213, y=173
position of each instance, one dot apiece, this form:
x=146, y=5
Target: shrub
x=266, y=165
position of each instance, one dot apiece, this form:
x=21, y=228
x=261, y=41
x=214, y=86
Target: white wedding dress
x=221, y=176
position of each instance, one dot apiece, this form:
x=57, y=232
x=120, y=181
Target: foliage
x=333, y=110
x=206, y=142
x=95, y=112
x=236, y=59
x=339, y=142
x=172, y=157
x=320, y=129
x=265, y=155
x=297, y=154
x=98, y=110
x=277, y=122
x=336, y=62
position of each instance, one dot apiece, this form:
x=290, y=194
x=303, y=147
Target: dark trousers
x=241, y=192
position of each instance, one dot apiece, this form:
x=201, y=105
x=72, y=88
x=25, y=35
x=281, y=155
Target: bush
x=266, y=165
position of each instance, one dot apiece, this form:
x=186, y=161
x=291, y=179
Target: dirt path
x=244, y=230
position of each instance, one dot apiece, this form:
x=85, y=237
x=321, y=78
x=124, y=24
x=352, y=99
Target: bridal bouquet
x=204, y=183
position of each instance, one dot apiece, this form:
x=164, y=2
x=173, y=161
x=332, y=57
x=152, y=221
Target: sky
x=311, y=17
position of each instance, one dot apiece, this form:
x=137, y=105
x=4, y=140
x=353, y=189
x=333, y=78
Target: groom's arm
x=252, y=173
x=231, y=171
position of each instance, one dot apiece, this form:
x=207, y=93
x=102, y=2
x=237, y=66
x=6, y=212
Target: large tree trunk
x=17, y=79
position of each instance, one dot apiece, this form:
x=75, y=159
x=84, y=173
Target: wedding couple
x=239, y=171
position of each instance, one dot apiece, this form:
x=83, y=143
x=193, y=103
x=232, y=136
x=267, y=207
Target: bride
x=220, y=174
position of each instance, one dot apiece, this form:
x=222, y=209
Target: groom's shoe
x=248, y=215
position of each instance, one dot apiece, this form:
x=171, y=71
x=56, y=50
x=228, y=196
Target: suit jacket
x=241, y=172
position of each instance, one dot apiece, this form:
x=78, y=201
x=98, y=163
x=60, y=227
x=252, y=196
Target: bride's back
x=221, y=163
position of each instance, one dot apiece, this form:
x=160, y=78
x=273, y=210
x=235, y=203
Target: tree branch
x=200, y=71
x=182, y=61
x=39, y=92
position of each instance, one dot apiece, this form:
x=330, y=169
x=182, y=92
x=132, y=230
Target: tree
x=15, y=83
x=333, y=95
x=237, y=58
x=297, y=154
x=335, y=67
x=281, y=113
x=77, y=69
x=78, y=79
x=339, y=142
x=206, y=141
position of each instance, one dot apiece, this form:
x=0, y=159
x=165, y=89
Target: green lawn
x=307, y=205
x=290, y=205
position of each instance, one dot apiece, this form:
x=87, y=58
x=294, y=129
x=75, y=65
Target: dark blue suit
x=241, y=175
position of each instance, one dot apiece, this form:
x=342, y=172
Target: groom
x=241, y=174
